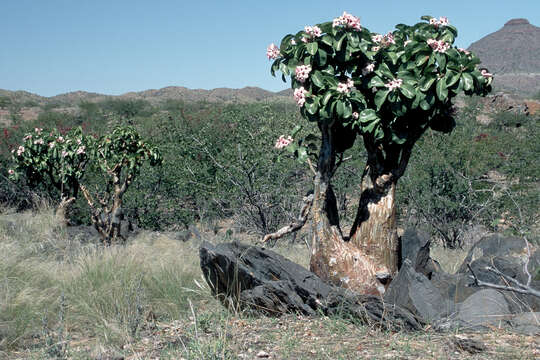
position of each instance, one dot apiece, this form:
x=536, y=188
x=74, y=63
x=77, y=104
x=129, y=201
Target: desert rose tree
x=387, y=90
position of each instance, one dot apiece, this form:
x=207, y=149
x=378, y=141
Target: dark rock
x=259, y=280
x=465, y=344
x=527, y=323
x=485, y=307
x=455, y=287
x=506, y=254
x=415, y=247
x=414, y=292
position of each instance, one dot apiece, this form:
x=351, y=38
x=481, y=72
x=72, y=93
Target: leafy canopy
x=388, y=88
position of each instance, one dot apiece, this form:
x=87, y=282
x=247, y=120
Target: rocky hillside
x=513, y=55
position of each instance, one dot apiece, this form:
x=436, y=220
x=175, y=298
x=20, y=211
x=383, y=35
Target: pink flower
x=375, y=48
x=27, y=137
x=293, y=42
x=64, y=153
x=355, y=115
x=377, y=38
x=302, y=72
x=51, y=144
x=11, y=171
x=394, y=84
x=283, y=142
x=348, y=21
x=368, y=69
x=38, y=141
x=443, y=21
x=389, y=38
x=300, y=96
x=462, y=50
x=20, y=150
x=38, y=130
x=312, y=32
x=342, y=88
x=60, y=139
x=272, y=52
x=350, y=83
x=486, y=74
x=80, y=150
x=438, y=46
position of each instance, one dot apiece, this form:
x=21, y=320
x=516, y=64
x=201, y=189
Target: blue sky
x=115, y=46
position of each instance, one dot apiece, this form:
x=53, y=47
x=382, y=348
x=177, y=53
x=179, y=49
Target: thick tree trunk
x=334, y=260
x=367, y=260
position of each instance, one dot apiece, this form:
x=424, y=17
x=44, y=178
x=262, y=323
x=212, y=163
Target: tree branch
x=296, y=225
x=518, y=288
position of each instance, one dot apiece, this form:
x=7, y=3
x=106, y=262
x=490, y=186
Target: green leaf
x=441, y=60
x=380, y=97
x=347, y=112
x=407, y=90
x=328, y=40
x=367, y=115
x=312, y=47
x=376, y=82
x=421, y=60
x=385, y=70
x=326, y=97
x=442, y=91
x=340, y=108
x=317, y=79
x=426, y=82
x=467, y=81
x=302, y=154
x=321, y=57
x=339, y=43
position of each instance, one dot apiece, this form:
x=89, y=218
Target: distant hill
x=512, y=54
x=223, y=95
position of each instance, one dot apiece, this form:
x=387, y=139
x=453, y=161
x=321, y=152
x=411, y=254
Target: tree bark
x=366, y=260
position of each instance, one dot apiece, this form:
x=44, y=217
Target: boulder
x=415, y=292
x=527, y=323
x=506, y=254
x=484, y=307
x=454, y=287
x=415, y=247
x=258, y=280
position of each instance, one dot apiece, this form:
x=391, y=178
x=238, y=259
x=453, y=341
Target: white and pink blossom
x=20, y=150
x=27, y=137
x=272, y=52
x=80, y=150
x=355, y=115
x=60, y=139
x=64, y=153
x=369, y=68
x=348, y=21
x=283, y=141
x=486, y=74
x=389, y=39
x=302, y=72
x=38, y=141
x=313, y=31
x=440, y=46
x=342, y=88
x=293, y=42
x=464, y=51
x=442, y=21
x=38, y=130
x=52, y=144
x=377, y=38
x=11, y=171
x=394, y=84
x=375, y=48
x=300, y=96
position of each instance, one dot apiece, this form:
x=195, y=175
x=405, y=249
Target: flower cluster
x=440, y=46
x=80, y=150
x=38, y=141
x=442, y=21
x=272, y=52
x=300, y=96
x=382, y=40
x=464, y=51
x=348, y=21
x=345, y=87
x=38, y=130
x=20, y=150
x=394, y=84
x=486, y=74
x=369, y=68
x=313, y=32
x=355, y=115
x=302, y=72
x=11, y=171
x=283, y=142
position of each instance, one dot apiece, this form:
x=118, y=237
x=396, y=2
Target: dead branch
x=518, y=288
x=296, y=225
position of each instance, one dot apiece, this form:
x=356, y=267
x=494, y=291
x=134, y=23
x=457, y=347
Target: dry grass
x=62, y=296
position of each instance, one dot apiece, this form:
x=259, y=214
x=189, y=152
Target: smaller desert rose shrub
x=59, y=162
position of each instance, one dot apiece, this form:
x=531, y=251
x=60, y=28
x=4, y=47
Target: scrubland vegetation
x=65, y=295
